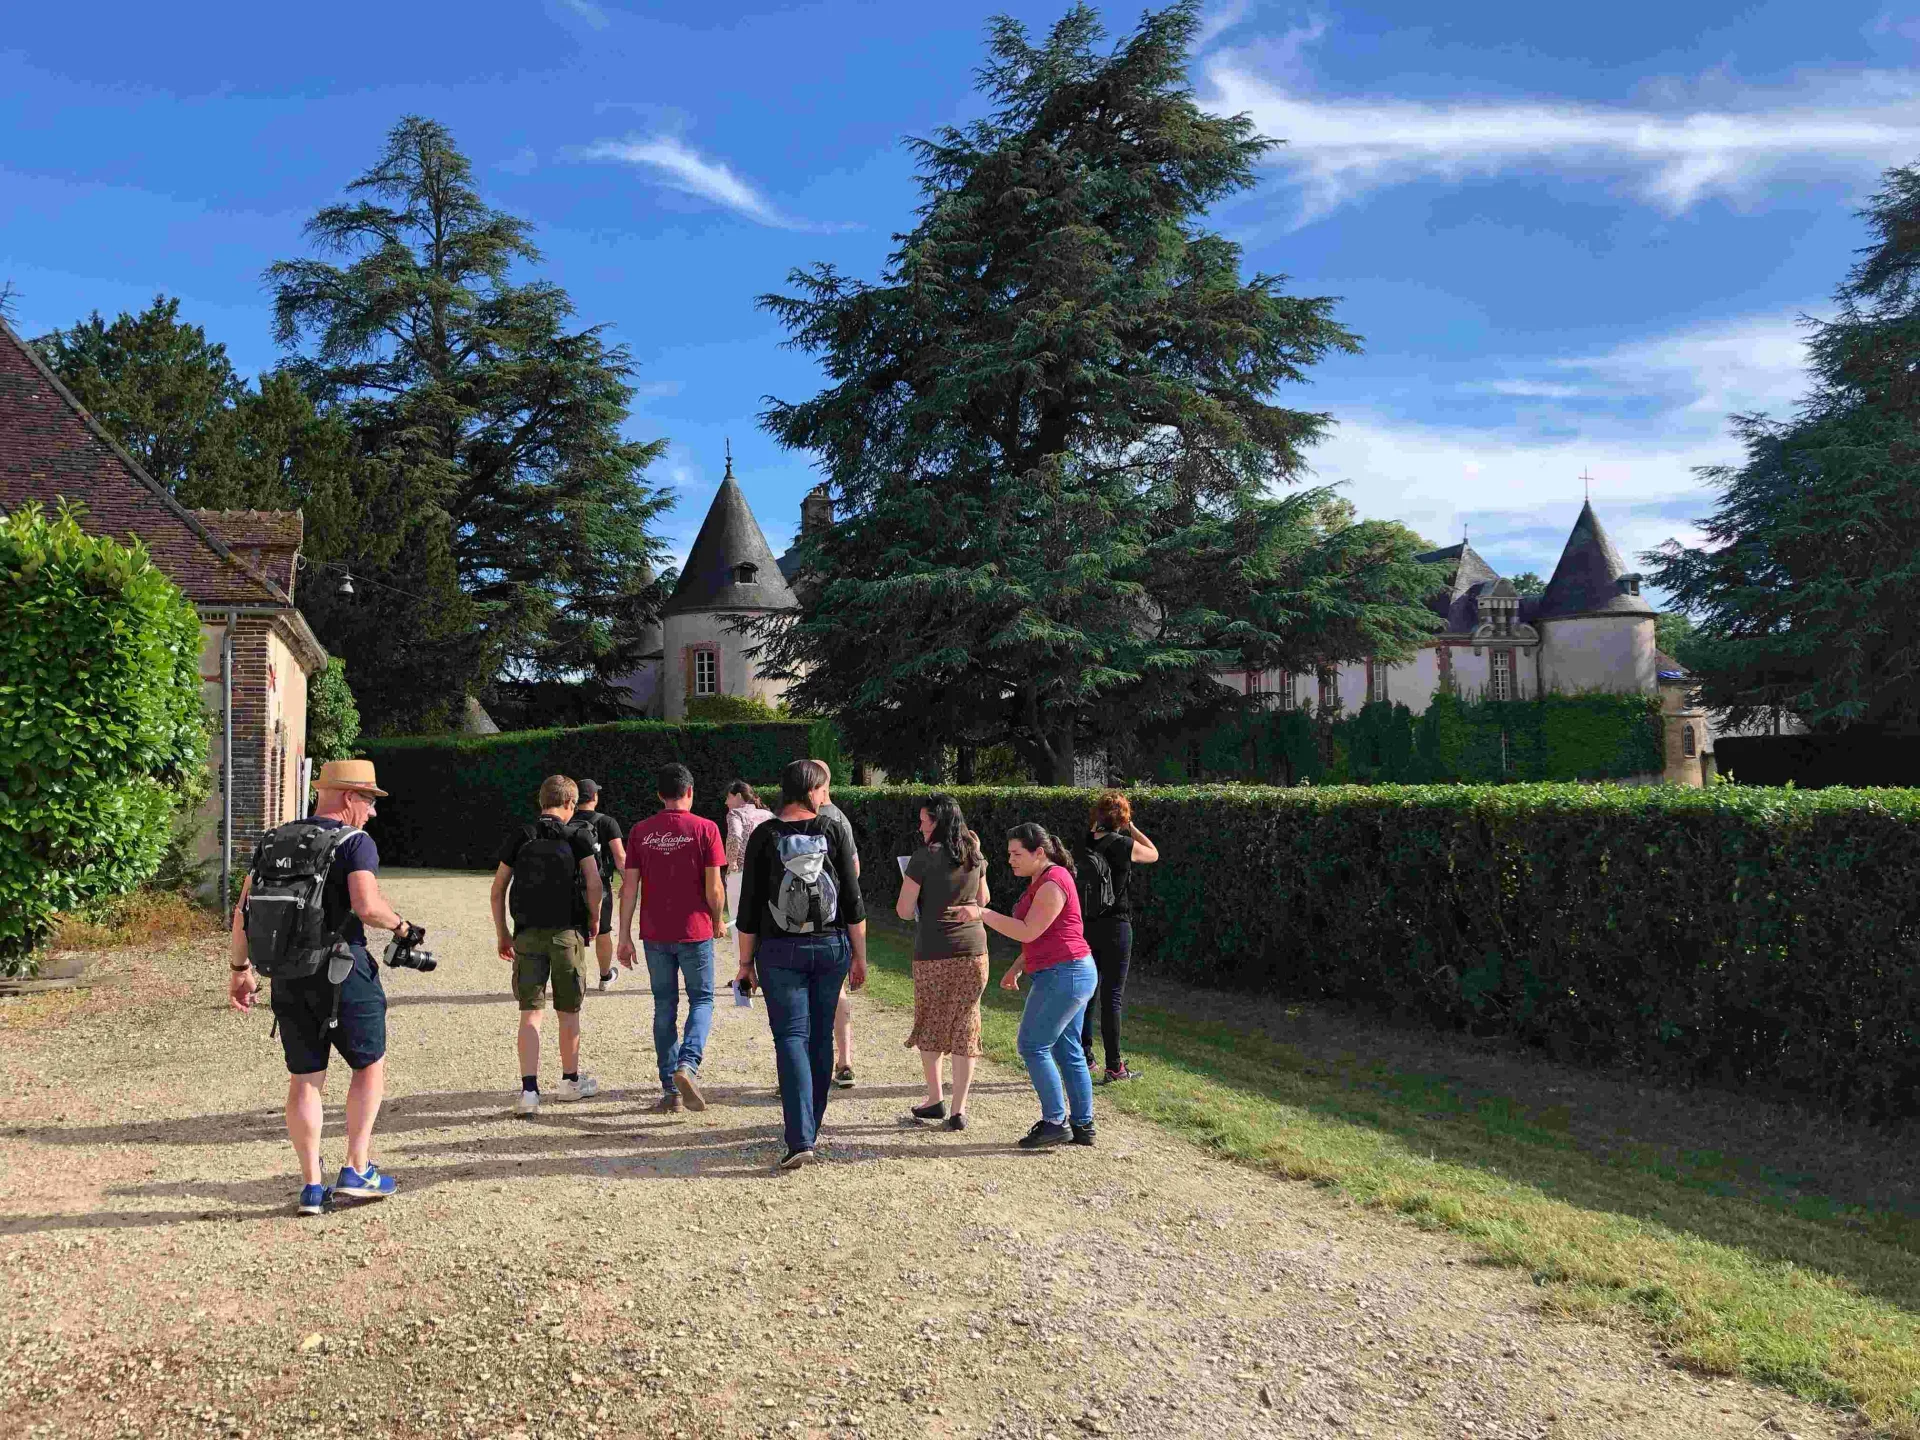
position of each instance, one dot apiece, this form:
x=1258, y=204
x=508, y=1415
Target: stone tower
x=1596, y=630
x=730, y=573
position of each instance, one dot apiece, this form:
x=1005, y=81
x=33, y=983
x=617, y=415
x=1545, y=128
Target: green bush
x=101, y=730
x=1764, y=940
x=333, y=719
x=452, y=797
x=1552, y=737
x=731, y=710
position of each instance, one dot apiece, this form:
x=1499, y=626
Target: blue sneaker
x=315, y=1199
x=370, y=1186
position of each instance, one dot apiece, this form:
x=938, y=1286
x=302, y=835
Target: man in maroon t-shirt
x=673, y=877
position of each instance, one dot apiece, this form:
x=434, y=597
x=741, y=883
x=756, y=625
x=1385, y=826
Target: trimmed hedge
x=453, y=797
x=1552, y=737
x=1762, y=940
x=102, y=734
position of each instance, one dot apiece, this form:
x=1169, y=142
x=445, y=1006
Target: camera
x=402, y=954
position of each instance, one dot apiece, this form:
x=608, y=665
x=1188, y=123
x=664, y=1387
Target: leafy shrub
x=1765, y=940
x=1551, y=737
x=333, y=720
x=453, y=796
x=731, y=710
x=101, y=728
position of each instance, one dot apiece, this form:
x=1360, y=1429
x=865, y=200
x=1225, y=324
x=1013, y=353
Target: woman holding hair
x=744, y=814
x=1112, y=835
x=949, y=954
x=1054, y=953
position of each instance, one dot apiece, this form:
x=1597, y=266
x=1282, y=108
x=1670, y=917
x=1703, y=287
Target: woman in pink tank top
x=1055, y=957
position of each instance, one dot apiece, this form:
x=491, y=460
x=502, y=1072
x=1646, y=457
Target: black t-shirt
x=1117, y=851
x=604, y=829
x=356, y=852
x=578, y=836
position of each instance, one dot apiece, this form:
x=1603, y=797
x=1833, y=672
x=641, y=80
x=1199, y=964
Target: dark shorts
x=606, y=909
x=303, y=1007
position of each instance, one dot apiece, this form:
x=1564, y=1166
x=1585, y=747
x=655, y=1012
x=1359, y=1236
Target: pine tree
x=1049, y=435
x=470, y=386
x=1806, y=596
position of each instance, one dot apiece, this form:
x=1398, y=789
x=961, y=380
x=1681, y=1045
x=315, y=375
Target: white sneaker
x=606, y=980
x=528, y=1103
x=585, y=1088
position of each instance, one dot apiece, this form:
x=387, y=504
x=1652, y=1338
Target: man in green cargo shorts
x=550, y=875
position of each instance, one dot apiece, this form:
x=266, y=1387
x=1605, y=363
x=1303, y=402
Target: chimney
x=816, y=511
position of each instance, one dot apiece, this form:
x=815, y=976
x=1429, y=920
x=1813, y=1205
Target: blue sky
x=1573, y=240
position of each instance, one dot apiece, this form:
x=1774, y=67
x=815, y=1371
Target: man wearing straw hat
x=305, y=1009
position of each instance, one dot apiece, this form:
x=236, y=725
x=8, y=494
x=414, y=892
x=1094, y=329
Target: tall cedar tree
x=472, y=388
x=1048, y=432
x=173, y=399
x=1806, y=596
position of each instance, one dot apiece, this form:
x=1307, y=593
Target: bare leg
x=962, y=1082
x=305, y=1111
x=364, y=1095
x=603, y=952
x=843, y=1032
x=930, y=1062
x=569, y=1043
x=530, y=1041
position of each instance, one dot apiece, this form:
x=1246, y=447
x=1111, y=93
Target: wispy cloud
x=1220, y=19
x=1838, y=125
x=674, y=164
x=1639, y=418
x=588, y=11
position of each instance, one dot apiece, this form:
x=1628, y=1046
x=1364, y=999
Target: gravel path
x=598, y=1271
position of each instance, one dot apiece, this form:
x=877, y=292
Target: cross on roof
x=1586, y=480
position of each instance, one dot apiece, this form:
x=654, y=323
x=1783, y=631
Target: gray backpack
x=805, y=896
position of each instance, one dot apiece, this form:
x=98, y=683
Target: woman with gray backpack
x=803, y=932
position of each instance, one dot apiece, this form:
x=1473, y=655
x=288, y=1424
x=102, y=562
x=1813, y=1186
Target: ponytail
x=1035, y=837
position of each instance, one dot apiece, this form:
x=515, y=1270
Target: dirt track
x=601, y=1271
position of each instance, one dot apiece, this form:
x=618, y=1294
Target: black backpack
x=1094, y=880
x=289, y=932
x=549, y=892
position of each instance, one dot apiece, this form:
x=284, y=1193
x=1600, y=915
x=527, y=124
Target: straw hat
x=348, y=775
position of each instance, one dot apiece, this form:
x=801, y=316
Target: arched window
x=1689, y=746
x=747, y=574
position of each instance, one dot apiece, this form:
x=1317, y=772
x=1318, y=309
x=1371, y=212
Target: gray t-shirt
x=834, y=815
x=941, y=885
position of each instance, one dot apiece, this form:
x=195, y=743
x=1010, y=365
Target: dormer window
x=1628, y=584
x=746, y=574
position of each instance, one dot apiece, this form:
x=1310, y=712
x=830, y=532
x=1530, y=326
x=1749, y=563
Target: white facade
x=705, y=656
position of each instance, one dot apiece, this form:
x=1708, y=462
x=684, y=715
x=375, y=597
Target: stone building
x=1590, y=630
x=238, y=568
x=730, y=573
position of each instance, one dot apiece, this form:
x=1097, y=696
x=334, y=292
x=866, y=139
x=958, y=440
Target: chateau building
x=1591, y=629
x=236, y=567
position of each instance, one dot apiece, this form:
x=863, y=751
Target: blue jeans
x=1050, y=1040
x=801, y=976
x=667, y=961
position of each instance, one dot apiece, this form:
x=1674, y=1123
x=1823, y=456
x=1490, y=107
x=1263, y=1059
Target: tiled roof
x=50, y=448
x=1468, y=578
x=730, y=538
x=268, y=540
x=1587, y=579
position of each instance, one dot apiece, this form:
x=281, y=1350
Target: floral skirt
x=946, y=1004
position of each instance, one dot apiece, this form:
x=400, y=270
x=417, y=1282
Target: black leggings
x=1112, y=944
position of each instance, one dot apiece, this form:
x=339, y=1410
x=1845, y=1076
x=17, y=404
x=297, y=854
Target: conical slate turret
x=731, y=566
x=1591, y=579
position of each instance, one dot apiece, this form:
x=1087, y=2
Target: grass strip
x=1737, y=1269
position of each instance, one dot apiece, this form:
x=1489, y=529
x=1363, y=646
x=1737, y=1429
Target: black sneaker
x=794, y=1159
x=957, y=1120
x=1044, y=1136
x=843, y=1077
x=1083, y=1135
x=933, y=1110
